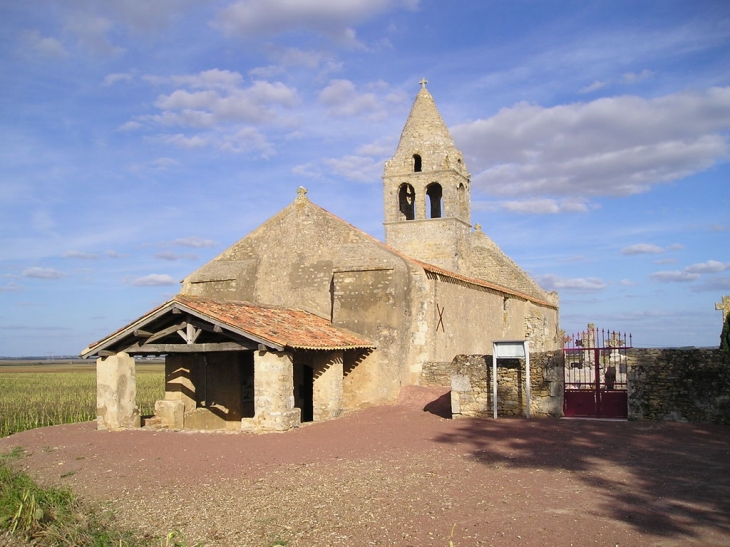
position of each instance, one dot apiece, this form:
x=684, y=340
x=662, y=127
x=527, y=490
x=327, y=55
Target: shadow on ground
x=659, y=478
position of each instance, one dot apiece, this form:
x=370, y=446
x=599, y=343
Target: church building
x=307, y=316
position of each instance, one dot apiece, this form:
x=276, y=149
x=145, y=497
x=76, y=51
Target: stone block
x=170, y=413
x=116, y=393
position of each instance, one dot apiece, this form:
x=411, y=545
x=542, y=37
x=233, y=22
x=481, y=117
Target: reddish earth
x=399, y=475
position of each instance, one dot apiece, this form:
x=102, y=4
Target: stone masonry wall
x=679, y=385
x=436, y=373
x=471, y=386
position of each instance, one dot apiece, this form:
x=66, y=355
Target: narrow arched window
x=407, y=201
x=416, y=163
x=434, y=193
x=463, y=207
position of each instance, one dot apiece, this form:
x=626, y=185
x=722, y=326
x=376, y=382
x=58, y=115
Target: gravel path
x=396, y=475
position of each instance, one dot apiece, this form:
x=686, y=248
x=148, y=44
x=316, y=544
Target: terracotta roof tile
x=286, y=327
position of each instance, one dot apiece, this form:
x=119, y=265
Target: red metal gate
x=595, y=374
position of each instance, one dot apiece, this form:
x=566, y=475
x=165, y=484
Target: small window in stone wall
x=407, y=201
x=417, y=163
x=435, y=193
x=463, y=206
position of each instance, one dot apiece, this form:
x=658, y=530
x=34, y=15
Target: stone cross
x=301, y=195
x=615, y=340
x=724, y=306
x=423, y=82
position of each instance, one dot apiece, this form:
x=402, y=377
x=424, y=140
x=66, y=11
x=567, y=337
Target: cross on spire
x=423, y=82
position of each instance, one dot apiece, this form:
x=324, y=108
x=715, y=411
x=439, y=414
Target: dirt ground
x=401, y=476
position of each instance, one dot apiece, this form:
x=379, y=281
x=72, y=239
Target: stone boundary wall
x=684, y=385
x=471, y=386
x=436, y=373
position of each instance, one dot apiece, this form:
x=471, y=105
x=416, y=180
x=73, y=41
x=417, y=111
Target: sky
x=140, y=139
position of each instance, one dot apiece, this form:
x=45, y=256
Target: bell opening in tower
x=435, y=193
x=407, y=201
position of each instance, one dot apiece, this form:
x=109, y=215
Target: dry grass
x=41, y=395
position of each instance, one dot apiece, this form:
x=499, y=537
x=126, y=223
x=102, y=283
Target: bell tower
x=426, y=190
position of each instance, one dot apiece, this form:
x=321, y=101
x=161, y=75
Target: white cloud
x=342, y=99
x=694, y=272
x=43, y=47
x=612, y=146
x=129, y=126
x=255, y=18
x=674, y=276
x=551, y=282
x=164, y=163
x=642, y=248
x=42, y=273
x=153, y=280
x=595, y=86
x=215, y=97
x=11, y=287
x=111, y=79
x=356, y=168
x=633, y=78
x=196, y=141
x=192, y=241
x=540, y=206
x=173, y=256
x=711, y=266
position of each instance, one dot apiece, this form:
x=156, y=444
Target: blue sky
x=139, y=139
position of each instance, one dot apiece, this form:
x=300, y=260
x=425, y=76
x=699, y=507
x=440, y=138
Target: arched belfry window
x=417, y=163
x=434, y=193
x=407, y=201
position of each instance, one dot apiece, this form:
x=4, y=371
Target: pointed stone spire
x=426, y=205
x=425, y=134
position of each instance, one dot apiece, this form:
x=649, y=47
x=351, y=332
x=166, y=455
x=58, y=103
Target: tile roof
x=287, y=327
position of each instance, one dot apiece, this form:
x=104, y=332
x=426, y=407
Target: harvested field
x=397, y=475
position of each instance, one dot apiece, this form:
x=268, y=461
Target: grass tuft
x=46, y=516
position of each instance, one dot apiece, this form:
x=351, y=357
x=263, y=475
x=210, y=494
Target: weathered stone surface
x=691, y=385
x=328, y=374
x=472, y=391
x=116, y=392
x=170, y=414
x=273, y=393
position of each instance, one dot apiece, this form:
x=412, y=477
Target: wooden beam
x=190, y=334
x=187, y=348
x=143, y=333
x=165, y=332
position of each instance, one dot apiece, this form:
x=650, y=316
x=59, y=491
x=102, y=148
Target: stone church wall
x=471, y=386
x=691, y=385
x=466, y=319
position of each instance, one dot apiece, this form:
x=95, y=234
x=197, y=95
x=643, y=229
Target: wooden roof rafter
x=188, y=324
